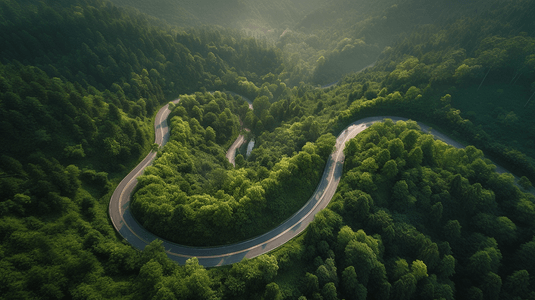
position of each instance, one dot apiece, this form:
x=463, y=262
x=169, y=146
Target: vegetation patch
x=446, y=209
x=192, y=195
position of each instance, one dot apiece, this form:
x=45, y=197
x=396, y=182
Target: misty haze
x=285, y=149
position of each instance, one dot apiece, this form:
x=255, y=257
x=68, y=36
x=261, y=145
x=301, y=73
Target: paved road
x=119, y=208
x=139, y=237
x=231, y=152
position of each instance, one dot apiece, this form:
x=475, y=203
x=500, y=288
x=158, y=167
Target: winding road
x=231, y=153
x=124, y=222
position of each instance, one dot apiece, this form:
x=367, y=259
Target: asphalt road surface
x=231, y=152
x=139, y=237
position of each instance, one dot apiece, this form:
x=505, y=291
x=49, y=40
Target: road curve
x=231, y=152
x=124, y=222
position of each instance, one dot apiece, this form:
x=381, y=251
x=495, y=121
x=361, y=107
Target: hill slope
x=415, y=219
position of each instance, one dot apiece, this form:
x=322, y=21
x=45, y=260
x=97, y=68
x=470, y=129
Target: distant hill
x=244, y=14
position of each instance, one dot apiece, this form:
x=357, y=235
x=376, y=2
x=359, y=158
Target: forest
x=412, y=217
x=189, y=195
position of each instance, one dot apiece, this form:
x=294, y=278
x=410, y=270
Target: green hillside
x=243, y=14
x=412, y=218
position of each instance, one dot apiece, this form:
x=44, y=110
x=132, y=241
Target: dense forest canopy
x=203, y=203
x=412, y=218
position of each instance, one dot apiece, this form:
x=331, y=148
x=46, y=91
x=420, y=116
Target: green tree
x=325, y=144
x=452, y=231
x=447, y=266
x=405, y=287
x=429, y=253
x=210, y=134
x=415, y=157
x=198, y=282
x=254, y=274
x=240, y=160
x=150, y=276
x=351, y=286
x=156, y=252
x=409, y=137
x=368, y=165
x=483, y=262
x=85, y=291
x=436, y=212
x=399, y=269
x=523, y=256
x=261, y=105
x=419, y=269
x=273, y=292
x=501, y=228
x=365, y=182
x=401, y=196
x=311, y=284
x=517, y=284
x=345, y=235
x=382, y=158
x=329, y=291
x=390, y=169
x=327, y=272
x=324, y=226
x=474, y=293
x=358, y=203
x=396, y=148
x=361, y=255
x=164, y=293
x=492, y=284
x=525, y=183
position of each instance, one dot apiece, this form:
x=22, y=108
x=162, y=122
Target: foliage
x=190, y=194
x=80, y=82
x=428, y=230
